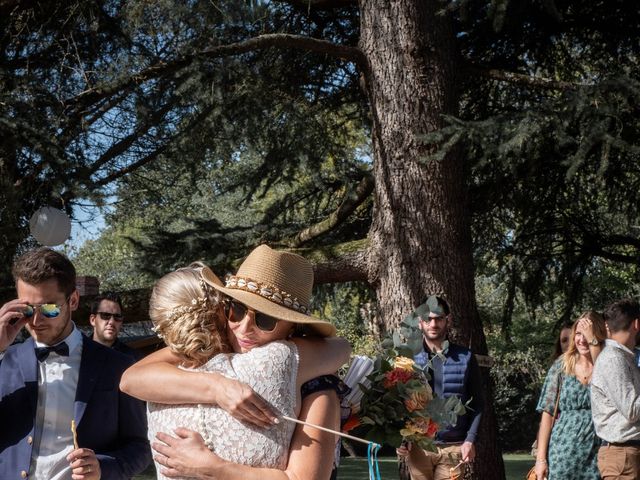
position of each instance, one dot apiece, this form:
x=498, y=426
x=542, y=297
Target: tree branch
x=351, y=54
x=345, y=262
x=320, y=4
x=352, y=200
x=522, y=79
x=153, y=155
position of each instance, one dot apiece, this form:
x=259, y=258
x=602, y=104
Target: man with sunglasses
x=61, y=411
x=106, y=319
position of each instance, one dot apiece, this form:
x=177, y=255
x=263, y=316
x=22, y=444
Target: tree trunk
x=420, y=239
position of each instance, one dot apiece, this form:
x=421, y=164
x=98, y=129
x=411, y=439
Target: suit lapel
x=91, y=366
x=28, y=364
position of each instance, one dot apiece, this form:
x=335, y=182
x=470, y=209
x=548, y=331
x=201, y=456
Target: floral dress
x=573, y=447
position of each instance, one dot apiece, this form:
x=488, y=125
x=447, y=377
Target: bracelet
x=541, y=460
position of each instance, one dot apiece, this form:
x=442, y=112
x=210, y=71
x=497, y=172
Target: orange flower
x=351, y=423
x=417, y=400
x=396, y=375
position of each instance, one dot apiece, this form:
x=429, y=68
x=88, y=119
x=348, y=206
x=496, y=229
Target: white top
x=615, y=394
x=57, y=383
x=271, y=371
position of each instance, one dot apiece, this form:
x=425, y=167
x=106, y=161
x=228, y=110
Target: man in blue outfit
x=57, y=377
x=455, y=372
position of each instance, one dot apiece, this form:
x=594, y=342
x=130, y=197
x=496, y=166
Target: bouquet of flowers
x=396, y=403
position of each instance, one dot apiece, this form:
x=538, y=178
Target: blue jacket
x=459, y=375
x=109, y=422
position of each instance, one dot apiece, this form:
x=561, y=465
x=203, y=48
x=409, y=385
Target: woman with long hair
x=567, y=442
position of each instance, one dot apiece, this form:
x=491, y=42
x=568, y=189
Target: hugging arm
x=320, y=356
x=309, y=451
x=157, y=378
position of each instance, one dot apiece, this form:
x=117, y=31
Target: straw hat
x=276, y=283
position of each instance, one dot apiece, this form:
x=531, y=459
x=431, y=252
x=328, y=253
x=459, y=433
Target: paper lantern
x=50, y=226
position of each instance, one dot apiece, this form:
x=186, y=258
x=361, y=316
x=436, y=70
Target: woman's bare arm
x=157, y=378
x=311, y=451
x=321, y=356
x=544, y=435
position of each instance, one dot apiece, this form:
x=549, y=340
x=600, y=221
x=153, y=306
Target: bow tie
x=43, y=352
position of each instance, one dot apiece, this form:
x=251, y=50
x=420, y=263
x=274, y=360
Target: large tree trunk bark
x=420, y=240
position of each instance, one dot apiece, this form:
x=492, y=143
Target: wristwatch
x=595, y=342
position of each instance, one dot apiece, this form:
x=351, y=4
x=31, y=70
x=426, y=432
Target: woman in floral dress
x=567, y=449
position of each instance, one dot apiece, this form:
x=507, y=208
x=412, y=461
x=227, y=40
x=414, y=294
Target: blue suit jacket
x=109, y=422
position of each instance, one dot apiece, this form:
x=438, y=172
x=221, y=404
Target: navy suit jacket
x=108, y=421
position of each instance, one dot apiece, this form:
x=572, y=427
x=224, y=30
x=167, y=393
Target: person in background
x=615, y=394
x=455, y=371
x=106, y=319
x=567, y=441
x=58, y=376
x=562, y=342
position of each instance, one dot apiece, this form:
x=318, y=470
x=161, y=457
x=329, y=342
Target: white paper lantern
x=50, y=226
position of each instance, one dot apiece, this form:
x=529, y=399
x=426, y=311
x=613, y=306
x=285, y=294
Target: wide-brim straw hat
x=276, y=283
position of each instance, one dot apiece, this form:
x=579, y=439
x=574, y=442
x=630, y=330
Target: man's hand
x=468, y=451
x=84, y=464
x=12, y=319
x=242, y=403
x=185, y=455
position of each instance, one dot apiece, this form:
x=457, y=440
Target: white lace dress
x=271, y=371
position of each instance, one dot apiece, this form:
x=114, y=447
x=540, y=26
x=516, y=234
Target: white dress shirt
x=57, y=383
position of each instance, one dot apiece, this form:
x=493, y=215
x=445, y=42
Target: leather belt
x=628, y=443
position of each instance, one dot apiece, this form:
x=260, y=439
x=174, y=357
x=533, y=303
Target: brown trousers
x=615, y=462
x=424, y=465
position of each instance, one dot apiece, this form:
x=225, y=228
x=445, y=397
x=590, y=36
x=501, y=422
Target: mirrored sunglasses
x=236, y=311
x=49, y=310
x=108, y=316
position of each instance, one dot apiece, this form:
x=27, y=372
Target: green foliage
x=517, y=379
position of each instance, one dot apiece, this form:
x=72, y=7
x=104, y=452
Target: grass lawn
x=516, y=465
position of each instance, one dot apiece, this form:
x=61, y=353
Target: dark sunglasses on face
x=108, y=316
x=236, y=311
x=49, y=310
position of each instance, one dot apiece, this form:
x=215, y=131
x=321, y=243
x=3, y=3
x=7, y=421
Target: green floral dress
x=573, y=448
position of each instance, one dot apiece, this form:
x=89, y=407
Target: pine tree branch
x=352, y=200
x=281, y=40
x=320, y=4
x=522, y=79
x=153, y=155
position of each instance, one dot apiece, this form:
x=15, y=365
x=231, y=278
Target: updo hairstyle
x=187, y=315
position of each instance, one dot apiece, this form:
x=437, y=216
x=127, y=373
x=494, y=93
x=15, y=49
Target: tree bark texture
x=420, y=239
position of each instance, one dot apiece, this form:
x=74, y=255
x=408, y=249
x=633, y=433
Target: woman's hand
x=585, y=328
x=243, y=404
x=185, y=455
x=542, y=469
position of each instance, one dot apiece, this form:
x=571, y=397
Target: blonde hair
x=570, y=357
x=187, y=314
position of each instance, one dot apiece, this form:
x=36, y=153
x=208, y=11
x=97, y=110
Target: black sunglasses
x=108, y=316
x=236, y=311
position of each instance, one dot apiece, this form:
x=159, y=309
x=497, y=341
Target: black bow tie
x=43, y=352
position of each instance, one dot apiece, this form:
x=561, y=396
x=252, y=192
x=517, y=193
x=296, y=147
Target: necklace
x=583, y=372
